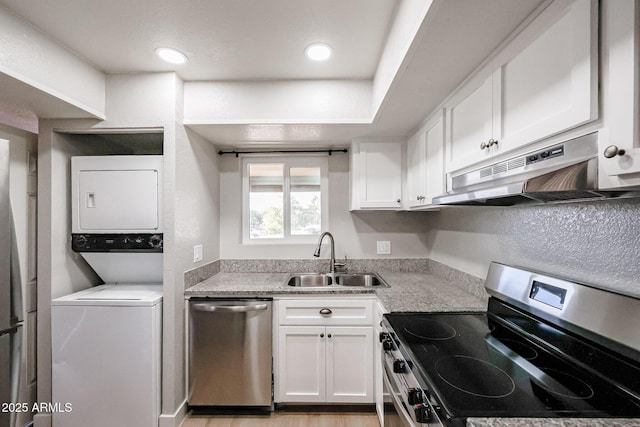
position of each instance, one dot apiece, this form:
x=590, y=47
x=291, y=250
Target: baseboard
x=175, y=419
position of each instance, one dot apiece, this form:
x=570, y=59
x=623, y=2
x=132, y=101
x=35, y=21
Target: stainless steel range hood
x=561, y=173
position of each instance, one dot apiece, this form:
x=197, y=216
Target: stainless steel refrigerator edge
x=10, y=299
x=230, y=355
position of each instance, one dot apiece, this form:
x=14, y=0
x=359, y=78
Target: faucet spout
x=332, y=268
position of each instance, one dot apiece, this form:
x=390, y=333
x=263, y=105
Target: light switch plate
x=197, y=253
x=383, y=247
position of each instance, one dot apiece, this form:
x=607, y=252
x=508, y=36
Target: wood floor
x=286, y=419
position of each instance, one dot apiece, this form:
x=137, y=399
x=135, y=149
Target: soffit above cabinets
x=409, y=61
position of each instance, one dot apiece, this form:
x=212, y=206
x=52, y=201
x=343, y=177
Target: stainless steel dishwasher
x=230, y=357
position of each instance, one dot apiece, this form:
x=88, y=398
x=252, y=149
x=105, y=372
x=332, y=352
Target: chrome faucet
x=334, y=264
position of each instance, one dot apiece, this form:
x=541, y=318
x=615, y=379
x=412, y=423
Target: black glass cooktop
x=508, y=364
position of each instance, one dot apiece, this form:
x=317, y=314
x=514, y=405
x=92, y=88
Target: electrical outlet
x=197, y=253
x=384, y=247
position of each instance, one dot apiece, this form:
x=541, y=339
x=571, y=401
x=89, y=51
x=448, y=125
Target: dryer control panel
x=116, y=242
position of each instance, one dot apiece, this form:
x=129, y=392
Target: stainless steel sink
x=360, y=279
x=337, y=279
x=309, y=280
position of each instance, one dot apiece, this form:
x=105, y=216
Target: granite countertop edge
x=407, y=292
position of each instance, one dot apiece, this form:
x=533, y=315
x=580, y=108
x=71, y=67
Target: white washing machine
x=106, y=356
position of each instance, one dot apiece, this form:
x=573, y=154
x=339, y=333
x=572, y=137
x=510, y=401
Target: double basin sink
x=336, y=279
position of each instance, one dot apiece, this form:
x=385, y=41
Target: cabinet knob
x=321, y=335
x=492, y=142
x=325, y=311
x=397, y=200
x=483, y=145
x=612, y=151
x=328, y=335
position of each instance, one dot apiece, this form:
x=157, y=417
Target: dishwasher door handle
x=228, y=308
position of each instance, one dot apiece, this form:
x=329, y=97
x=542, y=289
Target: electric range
x=546, y=347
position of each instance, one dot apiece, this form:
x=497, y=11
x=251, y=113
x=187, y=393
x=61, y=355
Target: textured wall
x=596, y=243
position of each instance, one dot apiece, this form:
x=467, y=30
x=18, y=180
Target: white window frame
x=288, y=162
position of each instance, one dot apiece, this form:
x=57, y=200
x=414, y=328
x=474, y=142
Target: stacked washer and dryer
x=106, y=340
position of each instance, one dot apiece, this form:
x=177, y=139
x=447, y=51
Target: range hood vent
x=561, y=173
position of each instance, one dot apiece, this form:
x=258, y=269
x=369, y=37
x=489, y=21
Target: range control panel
x=116, y=242
x=547, y=154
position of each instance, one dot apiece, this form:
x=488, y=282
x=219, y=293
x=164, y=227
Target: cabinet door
x=547, y=76
x=377, y=364
x=621, y=49
x=434, y=167
x=469, y=123
x=380, y=180
x=350, y=364
x=416, y=162
x=301, y=363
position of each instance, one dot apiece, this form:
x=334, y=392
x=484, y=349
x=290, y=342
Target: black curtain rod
x=237, y=153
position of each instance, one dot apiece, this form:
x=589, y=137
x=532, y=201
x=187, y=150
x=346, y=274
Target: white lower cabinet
x=324, y=364
x=378, y=311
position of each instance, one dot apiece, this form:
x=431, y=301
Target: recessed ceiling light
x=171, y=55
x=318, y=51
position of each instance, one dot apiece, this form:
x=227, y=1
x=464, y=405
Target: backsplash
x=322, y=265
x=198, y=274
x=596, y=243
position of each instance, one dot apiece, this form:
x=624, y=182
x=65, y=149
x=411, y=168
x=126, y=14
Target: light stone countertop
x=426, y=292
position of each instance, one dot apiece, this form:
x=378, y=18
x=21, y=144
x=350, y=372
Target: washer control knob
x=155, y=241
x=80, y=240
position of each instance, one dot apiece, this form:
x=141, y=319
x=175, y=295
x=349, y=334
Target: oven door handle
x=393, y=392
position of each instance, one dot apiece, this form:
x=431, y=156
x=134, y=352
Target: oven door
x=395, y=413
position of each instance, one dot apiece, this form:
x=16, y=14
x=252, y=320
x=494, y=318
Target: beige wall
x=355, y=233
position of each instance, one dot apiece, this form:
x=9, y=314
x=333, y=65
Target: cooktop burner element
x=529, y=355
x=563, y=384
x=431, y=330
x=492, y=382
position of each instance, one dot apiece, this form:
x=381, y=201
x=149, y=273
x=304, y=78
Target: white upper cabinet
x=619, y=142
x=376, y=175
x=470, y=123
x=542, y=83
x=416, y=170
x=425, y=163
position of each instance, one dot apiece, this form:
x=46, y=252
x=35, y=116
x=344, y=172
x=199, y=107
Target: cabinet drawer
x=325, y=312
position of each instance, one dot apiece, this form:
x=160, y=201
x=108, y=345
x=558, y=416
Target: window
x=285, y=199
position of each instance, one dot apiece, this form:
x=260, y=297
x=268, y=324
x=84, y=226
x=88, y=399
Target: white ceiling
x=247, y=40
x=223, y=39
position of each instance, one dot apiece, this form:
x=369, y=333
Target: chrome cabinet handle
x=612, y=151
x=325, y=311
